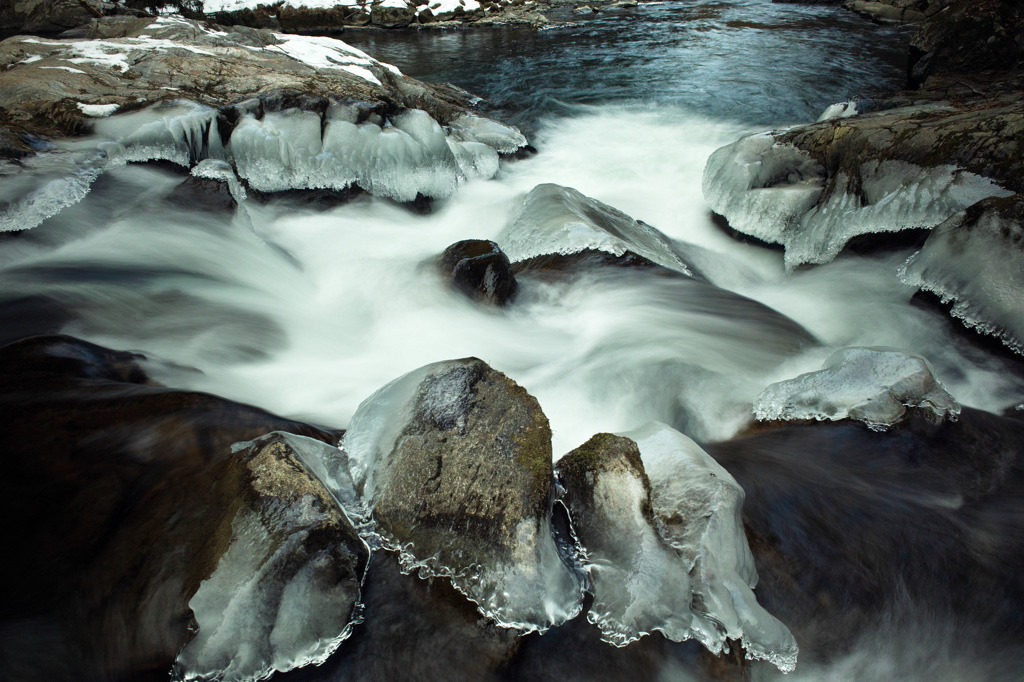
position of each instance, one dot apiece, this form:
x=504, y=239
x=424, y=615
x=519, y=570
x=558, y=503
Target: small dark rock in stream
x=479, y=269
x=121, y=496
x=203, y=194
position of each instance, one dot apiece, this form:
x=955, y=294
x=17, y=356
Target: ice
x=499, y=137
x=277, y=599
x=556, y=219
x=41, y=186
x=215, y=169
x=529, y=588
x=697, y=508
x=774, y=191
x=875, y=386
x=96, y=110
x=182, y=133
x=839, y=110
x=976, y=264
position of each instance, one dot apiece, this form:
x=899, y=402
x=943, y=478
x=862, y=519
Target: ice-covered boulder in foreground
x=284, y=594
x=975, y=261
x=873, y=385
x=454, y=460
x=556, y=219
x=663, y=542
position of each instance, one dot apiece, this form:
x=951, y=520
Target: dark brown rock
x=479, y=269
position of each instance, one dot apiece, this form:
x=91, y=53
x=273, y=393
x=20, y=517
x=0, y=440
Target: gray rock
x=47, y=15
x=455, y=461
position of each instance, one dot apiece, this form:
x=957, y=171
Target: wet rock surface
x=120, y=495
x=479, y=269
x=860, y=529
x=455, y=462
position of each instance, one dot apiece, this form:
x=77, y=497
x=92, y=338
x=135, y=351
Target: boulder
x=455, y=461
x=47, y=16
x=479, y=269
x=974, y=260
x=133, y=521
x=676, y=534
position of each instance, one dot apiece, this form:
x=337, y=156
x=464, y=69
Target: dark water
x=753, y=61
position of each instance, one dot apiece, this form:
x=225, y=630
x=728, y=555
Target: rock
x=813, y=188
x=455, y=461
x=875, y=386
x=416, y=629
x=289, y=112
x=392, y=15
x=866, y=530
x=479, y=269
x=892, y=12
x=677, y=535
x=43, y=16
x=560, y=220
x=963, y=37
x=123, y=497
x=975, y=260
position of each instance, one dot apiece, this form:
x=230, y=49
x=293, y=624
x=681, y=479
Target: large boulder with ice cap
x=132, y=522
x=455, y=461
x=651, y=509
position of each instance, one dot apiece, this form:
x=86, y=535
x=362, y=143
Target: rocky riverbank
x=940, y=158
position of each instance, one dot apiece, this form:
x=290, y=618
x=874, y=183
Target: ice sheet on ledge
x=875, y=386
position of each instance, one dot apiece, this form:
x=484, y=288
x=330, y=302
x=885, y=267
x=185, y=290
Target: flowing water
x=306, y=312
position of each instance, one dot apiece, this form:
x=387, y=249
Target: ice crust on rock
x=691, y=574
x=438, y=455
x=875, y=386
x=557, y=219
x=974, y=261
x=839, y=110
x=776, y=192
x=285, y=592
x=292, y=149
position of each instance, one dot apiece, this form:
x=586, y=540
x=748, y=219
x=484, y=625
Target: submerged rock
x=667, y=553
x=455, y=461
x=479, y=269
x=876, y=386
x=975, y=260
x=123, y=500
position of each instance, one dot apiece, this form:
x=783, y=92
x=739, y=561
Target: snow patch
x=97, y=110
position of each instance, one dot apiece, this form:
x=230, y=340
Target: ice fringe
x=777, y=192
x=976, y=265
x=875, y=386
x=400, y=158
x=691, y=575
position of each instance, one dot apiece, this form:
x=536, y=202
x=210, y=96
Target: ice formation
x=557, y=219
x=839, y=110
x=293, y=149
x=697, y=576
x=976, y=265
x=775, y=192
x=276, y=600
x=875, y=386
x=520, y=581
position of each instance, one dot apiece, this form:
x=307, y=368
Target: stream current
x=306, y=312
